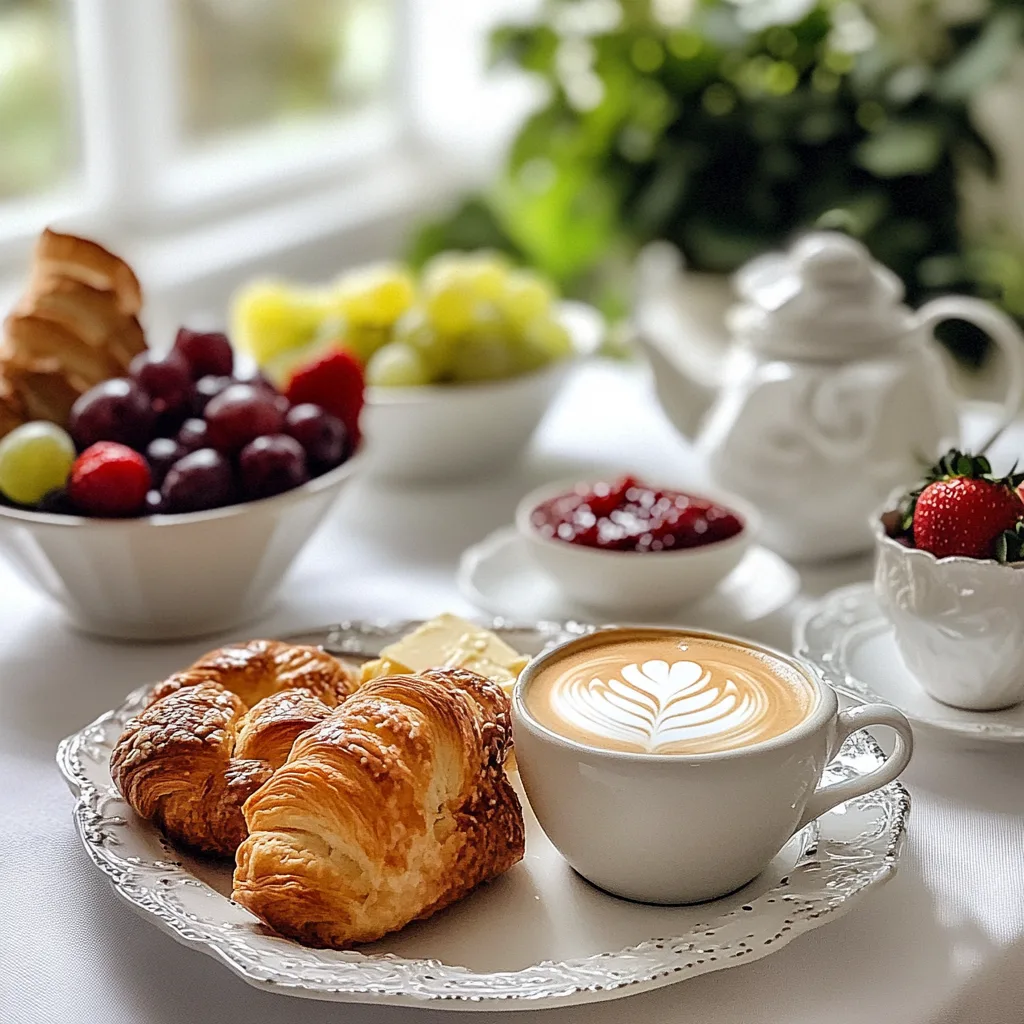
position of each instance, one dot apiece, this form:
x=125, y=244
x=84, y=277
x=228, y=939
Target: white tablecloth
x=944, y=941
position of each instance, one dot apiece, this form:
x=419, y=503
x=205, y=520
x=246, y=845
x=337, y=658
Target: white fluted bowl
x=958, y=622
x=449, y=432
x=174, y=576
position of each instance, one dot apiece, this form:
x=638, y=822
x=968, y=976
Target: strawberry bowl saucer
x=849, y=638
x=498, y=576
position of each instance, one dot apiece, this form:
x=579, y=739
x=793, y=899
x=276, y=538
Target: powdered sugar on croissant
x=389, y=810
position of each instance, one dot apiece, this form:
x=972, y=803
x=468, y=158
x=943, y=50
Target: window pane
x=259, y=63
x=38, y=139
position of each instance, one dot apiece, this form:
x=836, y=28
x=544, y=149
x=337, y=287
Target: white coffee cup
x=671, y=828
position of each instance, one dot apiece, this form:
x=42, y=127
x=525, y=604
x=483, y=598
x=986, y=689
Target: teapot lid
x=825, y=298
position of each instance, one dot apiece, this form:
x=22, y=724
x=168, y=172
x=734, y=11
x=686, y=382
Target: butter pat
x=449, y=642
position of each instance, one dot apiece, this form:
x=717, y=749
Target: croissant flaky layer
x=213, y=734
x=390, y=809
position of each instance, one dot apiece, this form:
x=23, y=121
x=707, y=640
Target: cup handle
x=1002, y=330
x=849, y=721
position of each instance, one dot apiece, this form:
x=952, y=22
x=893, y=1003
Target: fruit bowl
x=448, y=432
x=167, y=577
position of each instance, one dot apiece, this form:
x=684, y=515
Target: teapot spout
x=679, y=322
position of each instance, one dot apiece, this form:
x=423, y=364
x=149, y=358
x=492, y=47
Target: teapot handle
x=1002, y=330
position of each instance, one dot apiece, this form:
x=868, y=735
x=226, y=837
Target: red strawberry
x=109, y=479
x=335, y=383
x=964, y=510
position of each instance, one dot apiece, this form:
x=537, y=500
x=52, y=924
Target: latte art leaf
x=656, y=704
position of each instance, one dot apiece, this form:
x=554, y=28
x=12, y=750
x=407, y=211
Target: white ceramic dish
x=538, y=937
x=458, y=431
x=168, y=577
x=627, y=583
x=958, y=622
x=848, y=637
x=497, y=576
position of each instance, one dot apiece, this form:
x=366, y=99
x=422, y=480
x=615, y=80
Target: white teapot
x=832, y=395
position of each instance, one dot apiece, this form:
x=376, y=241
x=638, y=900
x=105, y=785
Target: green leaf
x=901, y=148
x=566, y=224
x=985, y=60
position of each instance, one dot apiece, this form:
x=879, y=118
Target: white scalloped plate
x=848, y=637
x=537, y=937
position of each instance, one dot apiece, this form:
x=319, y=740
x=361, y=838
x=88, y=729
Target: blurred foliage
x=727, y=125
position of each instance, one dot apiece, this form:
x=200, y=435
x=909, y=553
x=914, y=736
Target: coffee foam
x=670, y=695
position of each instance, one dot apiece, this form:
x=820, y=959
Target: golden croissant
x=387, y=811
x=213, y=734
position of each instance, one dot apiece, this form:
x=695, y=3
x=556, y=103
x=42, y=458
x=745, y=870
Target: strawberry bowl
x=958, y=621
x=629, y=581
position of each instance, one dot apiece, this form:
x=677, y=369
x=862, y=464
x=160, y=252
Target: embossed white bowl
x=627, y=583
x=168, y=577
x=958, y=622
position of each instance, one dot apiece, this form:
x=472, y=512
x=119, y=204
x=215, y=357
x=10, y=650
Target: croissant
x=213, y=734
x=80, y=259
x=388, y=811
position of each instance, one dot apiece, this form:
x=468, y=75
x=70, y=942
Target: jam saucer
x=499, y=576
x=847, y=636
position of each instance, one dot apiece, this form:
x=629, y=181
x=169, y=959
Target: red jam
x=631, y=516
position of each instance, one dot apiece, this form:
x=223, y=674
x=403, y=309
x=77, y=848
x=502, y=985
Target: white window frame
x=181, y=217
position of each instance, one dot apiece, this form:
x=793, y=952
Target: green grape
x=397, y=366
x=526, y=296
x=480, y=357
x=35, y=458
x=270, y=317
x=436, y=350
x=451, y=308
x=375, y=296
x=550, y=337
x=364, y=340
x=484, y=273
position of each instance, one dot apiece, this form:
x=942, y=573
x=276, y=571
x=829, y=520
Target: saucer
x=499, y=576
x=847, y=636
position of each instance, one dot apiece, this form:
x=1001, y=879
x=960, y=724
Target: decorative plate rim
x=148, y=886
x=856, y=606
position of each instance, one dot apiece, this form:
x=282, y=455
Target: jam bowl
x=626, y=548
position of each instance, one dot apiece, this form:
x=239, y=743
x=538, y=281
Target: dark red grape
x=205, y=352
x=200, y=480
x=57, y=502
x=207, y=388
x=156, y=504
x=322, y=435
x=271, y=465
x=239, y=415
x=161, y=454
x=116, y=410
x=166, y=380
x=192, y=435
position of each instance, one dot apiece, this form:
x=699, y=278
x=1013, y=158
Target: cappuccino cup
x=671, y=766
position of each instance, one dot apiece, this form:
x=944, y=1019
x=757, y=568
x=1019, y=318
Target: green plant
x=728, y=129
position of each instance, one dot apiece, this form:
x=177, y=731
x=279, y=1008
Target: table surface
x=944, y=941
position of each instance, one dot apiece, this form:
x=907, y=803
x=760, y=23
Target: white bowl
x=958, y=622
x=168, y=577
x=456, y=431
x=629, y=583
